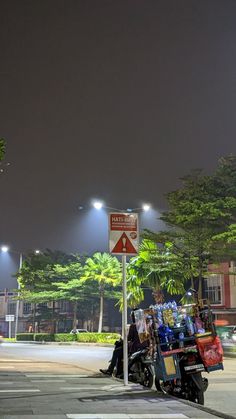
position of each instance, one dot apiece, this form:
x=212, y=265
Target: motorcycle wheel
x=197, y=397
x=148, y=378
x=161, y=386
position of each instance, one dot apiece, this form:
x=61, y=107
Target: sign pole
x=9, y=329
x=124, y=325
x=18, y=301
x=124, y=240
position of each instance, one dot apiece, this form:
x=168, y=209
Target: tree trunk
x=75, y=315
x=53, y=318
x=200, y=279
x=34, y=313
x=101, y=312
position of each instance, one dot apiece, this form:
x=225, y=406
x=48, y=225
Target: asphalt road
x=221, y=393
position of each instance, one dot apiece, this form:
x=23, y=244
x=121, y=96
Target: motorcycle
x=140, y=368
x=191, y=386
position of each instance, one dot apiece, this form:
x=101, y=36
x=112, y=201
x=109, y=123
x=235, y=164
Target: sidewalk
x=40, y=395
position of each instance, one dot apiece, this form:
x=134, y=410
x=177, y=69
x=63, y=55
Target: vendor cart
x=184, y=344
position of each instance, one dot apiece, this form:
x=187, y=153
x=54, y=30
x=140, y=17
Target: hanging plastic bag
x=140, y=321
x=210, y=350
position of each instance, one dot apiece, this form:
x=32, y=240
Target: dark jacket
x=133, y=340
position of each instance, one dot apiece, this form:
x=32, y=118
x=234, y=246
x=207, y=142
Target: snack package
x=168, y=318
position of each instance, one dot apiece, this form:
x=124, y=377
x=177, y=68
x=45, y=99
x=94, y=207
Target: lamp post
x=125, y=220
x=5, y=249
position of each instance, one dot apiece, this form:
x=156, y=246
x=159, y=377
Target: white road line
x=56, y=376
x=16, y=360
x=81, y=388
x=28, y=390
x=48, y=381
x=6, y=382
x=127, y=416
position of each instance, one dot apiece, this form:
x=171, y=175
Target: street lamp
x=5, y=249
x=127, y=221
x=97, y=205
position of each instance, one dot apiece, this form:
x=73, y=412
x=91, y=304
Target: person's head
x=132, y=315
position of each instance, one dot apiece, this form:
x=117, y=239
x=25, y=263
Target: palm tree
x=105, y=270
x=158, y=268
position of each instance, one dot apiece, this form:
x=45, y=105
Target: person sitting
x=134, y=345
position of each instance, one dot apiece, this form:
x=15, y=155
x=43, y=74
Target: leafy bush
x=69, y=337
x=65, y=337
x=25, y=336
x=98, y=337
x=44, y=337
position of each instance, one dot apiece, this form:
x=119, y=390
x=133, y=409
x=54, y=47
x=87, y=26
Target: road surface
x=87, y=359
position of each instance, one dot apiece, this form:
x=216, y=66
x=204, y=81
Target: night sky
x=108, y=99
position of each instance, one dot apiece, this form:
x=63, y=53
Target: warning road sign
x=123, y=232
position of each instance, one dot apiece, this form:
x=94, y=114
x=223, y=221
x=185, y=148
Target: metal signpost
x=124, y=240
x=9, y=318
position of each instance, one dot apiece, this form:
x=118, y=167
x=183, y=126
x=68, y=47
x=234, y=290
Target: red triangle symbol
x=124, y=245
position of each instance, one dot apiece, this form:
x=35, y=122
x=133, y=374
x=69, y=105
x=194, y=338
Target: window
x=26, y=308
x=213, y=288
x=11, y=308
x=63, y=306
x=42, y=305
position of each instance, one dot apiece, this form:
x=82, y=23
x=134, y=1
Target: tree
x=71, y=287
x=104, y=271
x=39, y=275
x=201, y=216
x=159, y=268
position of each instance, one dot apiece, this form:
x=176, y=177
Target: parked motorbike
x=191, y=386
x=140, y=368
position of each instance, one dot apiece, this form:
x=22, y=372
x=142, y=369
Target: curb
x=205, y=409
x=63, y=343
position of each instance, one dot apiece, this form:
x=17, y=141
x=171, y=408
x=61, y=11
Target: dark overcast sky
x=111, y=99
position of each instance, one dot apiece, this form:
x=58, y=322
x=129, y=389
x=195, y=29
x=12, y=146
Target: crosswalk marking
x=6, y=368
x=126, y=416
x=57, y=376
x=48, y=381
x=26, y=390
x=81, y=388
x=15, y=360
x=6, y=382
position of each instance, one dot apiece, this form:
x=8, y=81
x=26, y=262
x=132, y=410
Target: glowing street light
x=4, y=249
x=98, y=205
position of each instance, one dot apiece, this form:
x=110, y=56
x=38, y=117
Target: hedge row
x=67, y=337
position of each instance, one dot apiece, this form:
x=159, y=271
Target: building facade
x=220, y=290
